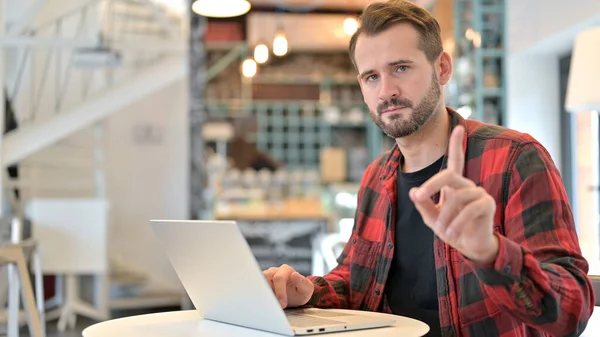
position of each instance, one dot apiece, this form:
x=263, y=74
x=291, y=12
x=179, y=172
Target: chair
x=16, y=316
x=330, y=247
x=15, y=254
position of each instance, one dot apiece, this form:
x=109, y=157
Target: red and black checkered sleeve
x=333, y=290
x=540, y=275
x=345, y=286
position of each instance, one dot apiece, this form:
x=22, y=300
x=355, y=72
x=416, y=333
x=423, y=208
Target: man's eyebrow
x=403, y=61
x=366, y=73
x=394, y=63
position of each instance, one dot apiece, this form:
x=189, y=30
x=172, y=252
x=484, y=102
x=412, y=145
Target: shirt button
x=354, y=240
x=390, y=245
x=507, y=269
x=377, y=292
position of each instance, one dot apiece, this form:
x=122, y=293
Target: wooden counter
x=292, y=209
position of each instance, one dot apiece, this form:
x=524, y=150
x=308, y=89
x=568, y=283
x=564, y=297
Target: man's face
x=399, y=85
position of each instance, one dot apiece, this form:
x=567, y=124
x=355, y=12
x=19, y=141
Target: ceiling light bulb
x=477, y=40
x=221, y=8
x=469, y=34
x=261, y=53
x=280, y=45
x=249, y=68
x=350, y=26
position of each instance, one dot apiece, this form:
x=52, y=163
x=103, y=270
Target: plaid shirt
x=538, y=284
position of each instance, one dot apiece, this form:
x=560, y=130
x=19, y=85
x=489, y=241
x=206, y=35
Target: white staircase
x=39, y=134
x=61, y=94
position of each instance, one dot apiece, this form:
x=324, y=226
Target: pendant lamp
x=221, y=8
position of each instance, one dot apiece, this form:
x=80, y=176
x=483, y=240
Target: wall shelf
x=480, y=41
x=294, y=113
x=294, y=132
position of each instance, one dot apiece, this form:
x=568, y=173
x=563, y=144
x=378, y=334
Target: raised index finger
x=456, y=154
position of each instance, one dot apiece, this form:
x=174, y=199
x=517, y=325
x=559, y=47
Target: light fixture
x=350, y=26
x=261, y=53
x=221, y=8
x=469, y=34
x=280, y=44
x=583, y=93
x=473, y=36
x=476, y=40
x=249, y=68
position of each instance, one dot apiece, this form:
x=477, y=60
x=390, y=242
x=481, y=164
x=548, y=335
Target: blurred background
x=116, y=112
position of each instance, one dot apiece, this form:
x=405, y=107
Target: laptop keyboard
x=303, y=320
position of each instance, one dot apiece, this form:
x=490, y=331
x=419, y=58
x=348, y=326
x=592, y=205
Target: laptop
x=225, y=283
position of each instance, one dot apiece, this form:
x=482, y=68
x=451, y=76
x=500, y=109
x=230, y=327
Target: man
x=462, y=225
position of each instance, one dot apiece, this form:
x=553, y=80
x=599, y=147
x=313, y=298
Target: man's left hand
x=464, y=216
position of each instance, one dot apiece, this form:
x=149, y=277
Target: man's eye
x=402, y=68
x=371, y=77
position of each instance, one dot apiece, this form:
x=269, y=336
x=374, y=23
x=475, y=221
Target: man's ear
x=444, y=67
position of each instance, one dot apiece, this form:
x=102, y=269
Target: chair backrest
x=332, y=246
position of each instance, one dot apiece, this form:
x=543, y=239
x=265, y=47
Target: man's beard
x=406, y=123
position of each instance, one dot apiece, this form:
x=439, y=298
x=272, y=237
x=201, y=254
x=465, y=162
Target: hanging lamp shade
x=583, y=91
x=221, y=8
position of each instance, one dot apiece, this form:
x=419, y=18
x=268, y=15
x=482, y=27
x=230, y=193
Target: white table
x=188, y=323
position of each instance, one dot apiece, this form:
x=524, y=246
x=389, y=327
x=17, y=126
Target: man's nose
x=388, y=89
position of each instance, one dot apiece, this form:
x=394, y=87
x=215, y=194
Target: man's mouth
x=393, y=109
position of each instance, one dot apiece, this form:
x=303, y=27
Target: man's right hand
x=291, y=288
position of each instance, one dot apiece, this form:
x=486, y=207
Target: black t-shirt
x=411, y=287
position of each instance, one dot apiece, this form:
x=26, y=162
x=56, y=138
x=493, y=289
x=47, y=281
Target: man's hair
x=380, y=16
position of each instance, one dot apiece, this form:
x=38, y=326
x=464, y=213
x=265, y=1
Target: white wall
x=539, y=32
x=147, y=180
x=533, y=100
x=535, y=22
